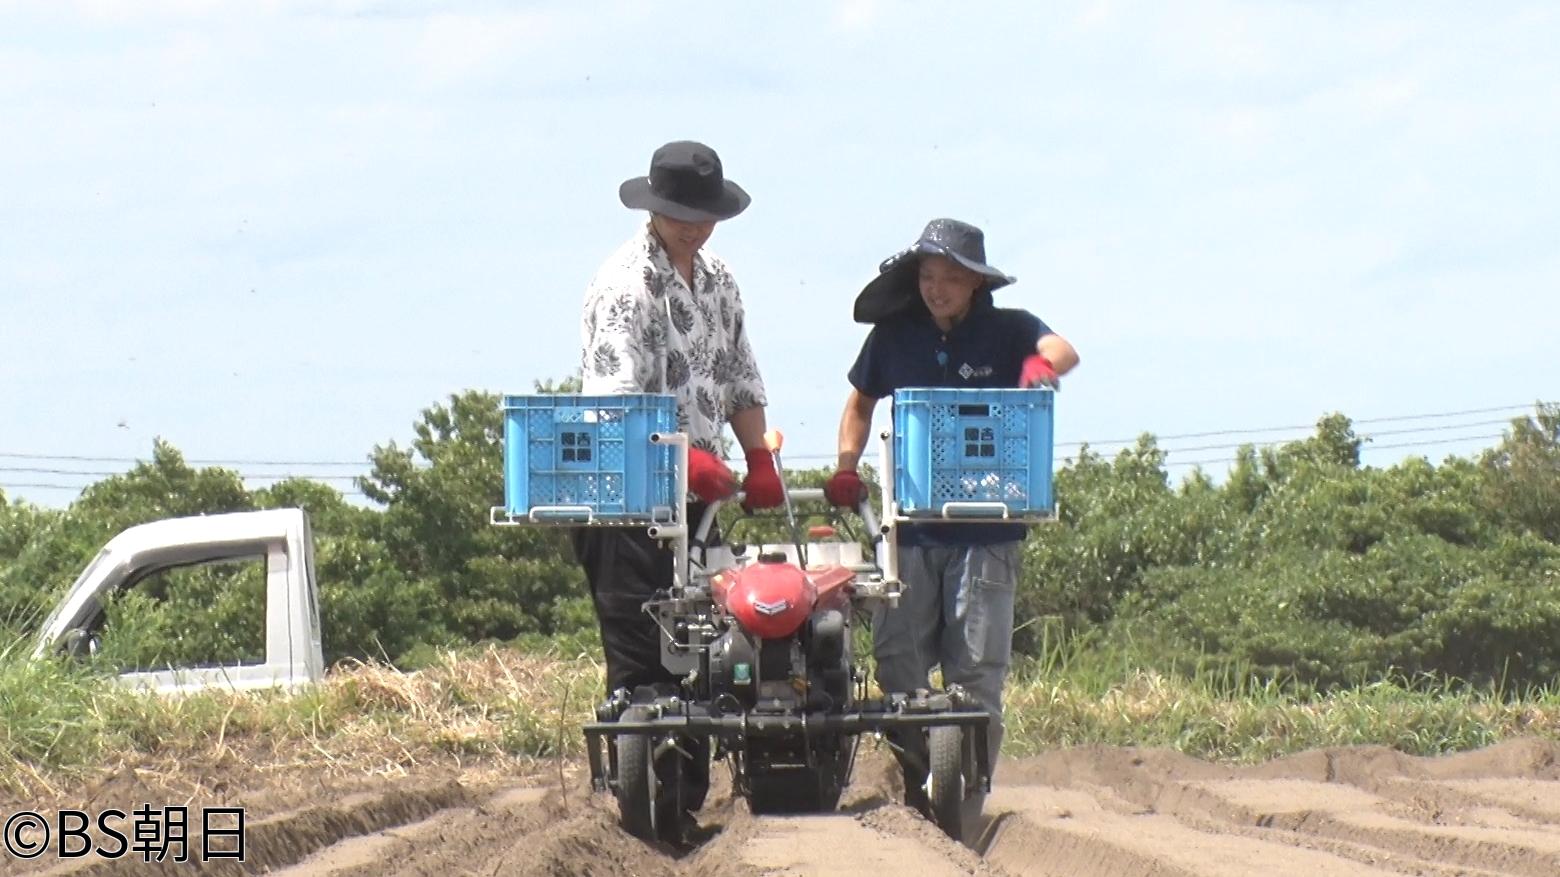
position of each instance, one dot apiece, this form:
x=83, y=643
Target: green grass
x=62, y=723
x=1078, y=696
x=50, y=712
x=496, y=702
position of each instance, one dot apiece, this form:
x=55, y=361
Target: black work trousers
x=625, y=567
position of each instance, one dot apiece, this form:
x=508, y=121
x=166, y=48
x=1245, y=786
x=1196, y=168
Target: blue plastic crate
x=590, y=452
x=973, y=446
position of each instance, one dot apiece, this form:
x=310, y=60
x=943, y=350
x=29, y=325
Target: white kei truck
x=280, y=538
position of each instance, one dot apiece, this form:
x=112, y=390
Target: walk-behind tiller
x=760, y=638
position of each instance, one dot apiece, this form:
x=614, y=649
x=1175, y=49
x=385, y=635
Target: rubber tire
x=946, y=795
x=637, y=784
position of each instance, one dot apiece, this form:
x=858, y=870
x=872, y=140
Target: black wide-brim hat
x=896, y=287
x=685, y=182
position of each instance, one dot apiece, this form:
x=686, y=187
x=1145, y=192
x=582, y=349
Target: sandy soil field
x=1080, y=812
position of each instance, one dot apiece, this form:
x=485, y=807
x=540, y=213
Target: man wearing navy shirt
x=936, y=325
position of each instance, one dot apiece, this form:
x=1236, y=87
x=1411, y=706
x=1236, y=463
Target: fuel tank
x=771, y=599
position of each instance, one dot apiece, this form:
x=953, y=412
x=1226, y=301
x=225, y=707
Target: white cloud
x=454, y=48
x=1367, y=98
x=1097, y=15
x=125, y=11
x=856, y=15
x=1250, y=127
x=1253, y=187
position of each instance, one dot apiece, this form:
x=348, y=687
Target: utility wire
x=1308, y=427
x=1092, y=443
x=1365, y=436
x=1167, y=464
x=81, y=487
x=1363, y=449
x=80, y=459
x=1445, y=441
x=362, y=464
x=277, y=476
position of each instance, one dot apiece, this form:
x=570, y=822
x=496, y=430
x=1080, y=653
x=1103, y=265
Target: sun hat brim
x=636, y=194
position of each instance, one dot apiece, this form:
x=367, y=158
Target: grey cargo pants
x=956, y=612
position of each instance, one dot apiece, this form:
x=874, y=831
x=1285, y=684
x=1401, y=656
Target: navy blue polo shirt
x=984, y=350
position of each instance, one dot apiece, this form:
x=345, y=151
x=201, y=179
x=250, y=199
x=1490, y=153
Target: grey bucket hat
x=685, y=182
x=896, y=288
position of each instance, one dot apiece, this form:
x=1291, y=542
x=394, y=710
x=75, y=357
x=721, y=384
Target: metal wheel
x=945, y=782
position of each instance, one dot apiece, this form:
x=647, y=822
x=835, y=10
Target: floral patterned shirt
x=645, y=331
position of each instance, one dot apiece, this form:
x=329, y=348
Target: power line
x=1364, y=448
x=1449, y=426
x=1167, y=464
x=80, y=487
x=1310, y=426
x=1445, y=441
x=1365, y=436
x=1400, y=417
x=271, y=476
x=81, y=459
x=362, y=464
x=1266, y=429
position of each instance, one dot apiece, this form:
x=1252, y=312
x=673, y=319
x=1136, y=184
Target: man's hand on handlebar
x=708, y=477
x=844, y=489
x=762, y=484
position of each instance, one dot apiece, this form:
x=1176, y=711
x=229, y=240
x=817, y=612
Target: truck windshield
x=103, y=559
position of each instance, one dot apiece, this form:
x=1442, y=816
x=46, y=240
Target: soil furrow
x=286, y=838
x=1051, y=831
x=457, y=834
x=1345, y=813
x=1087, y=812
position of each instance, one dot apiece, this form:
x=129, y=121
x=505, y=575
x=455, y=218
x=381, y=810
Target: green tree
x=1116, y=520
x=58, y=546
x=1523, y=475
x=370, y=607
x=490, y=581
x=1333, y=574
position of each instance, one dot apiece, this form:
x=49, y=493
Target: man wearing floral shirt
x=664, y=316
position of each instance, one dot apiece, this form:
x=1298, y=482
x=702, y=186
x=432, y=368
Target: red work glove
x=1038, y=372
x=844, y=488
x=708, y=477
x=762, y=484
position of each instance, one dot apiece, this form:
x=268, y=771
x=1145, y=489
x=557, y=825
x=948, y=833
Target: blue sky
x=277, y=230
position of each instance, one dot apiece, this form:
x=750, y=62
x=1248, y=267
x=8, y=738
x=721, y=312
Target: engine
x=786, y=648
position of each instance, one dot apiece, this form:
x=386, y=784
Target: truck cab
x=293, y=656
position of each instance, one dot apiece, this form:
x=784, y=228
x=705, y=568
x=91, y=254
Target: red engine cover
x=835, y=586
x=770, y=600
